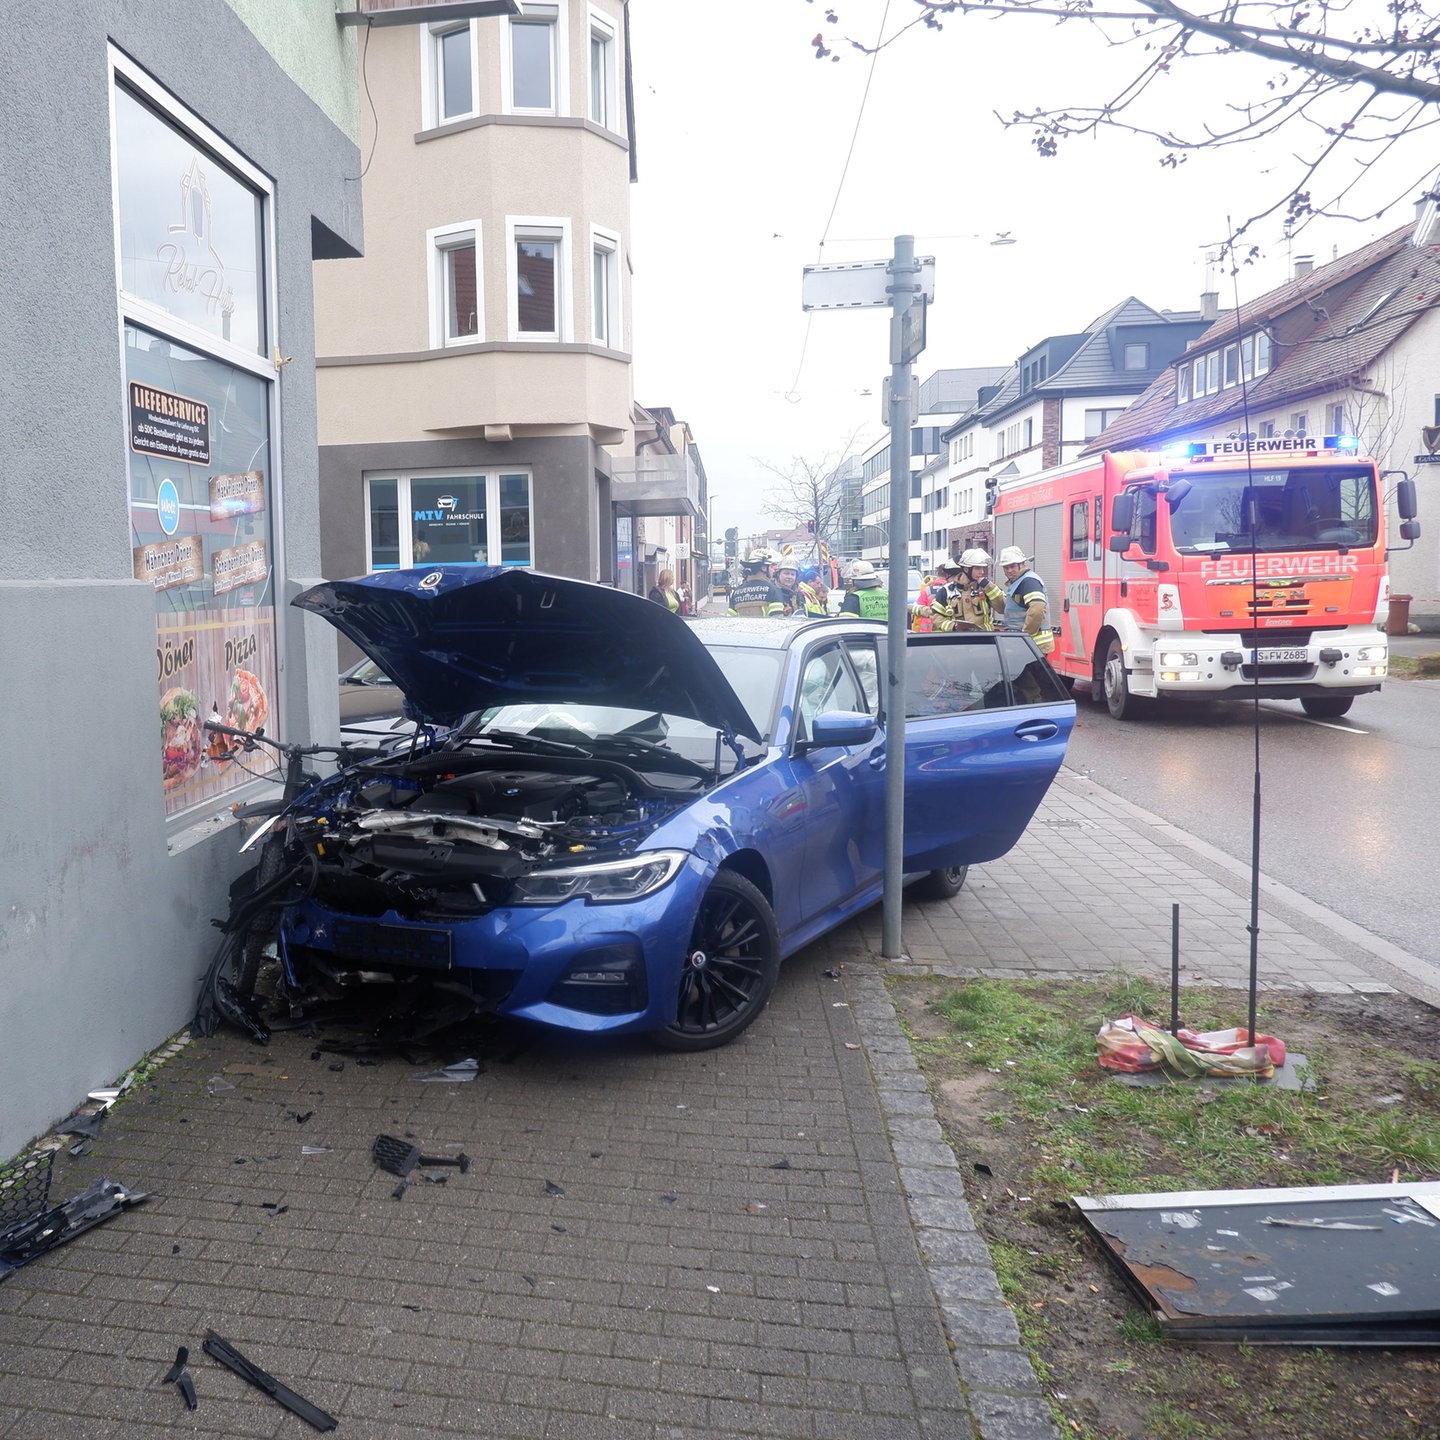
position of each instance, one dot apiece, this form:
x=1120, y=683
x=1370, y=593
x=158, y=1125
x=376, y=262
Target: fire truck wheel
x=1118, y=699
x=1327, y=707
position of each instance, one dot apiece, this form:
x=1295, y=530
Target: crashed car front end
x=528, y=885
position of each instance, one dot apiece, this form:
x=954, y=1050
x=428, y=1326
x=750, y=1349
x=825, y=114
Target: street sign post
x=906, y=285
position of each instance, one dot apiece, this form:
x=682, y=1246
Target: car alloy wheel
x=943, y=884
x=729, y=968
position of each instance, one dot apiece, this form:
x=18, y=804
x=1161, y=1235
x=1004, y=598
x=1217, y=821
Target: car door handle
x=1034, y=730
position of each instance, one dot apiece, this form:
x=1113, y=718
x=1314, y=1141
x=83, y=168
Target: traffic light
x=992, y=487
x=732, y=542
x=810, y=526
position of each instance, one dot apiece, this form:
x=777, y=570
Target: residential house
x=171, y=169
x=1347, y=348
x=475, y=368
x=1047, y=407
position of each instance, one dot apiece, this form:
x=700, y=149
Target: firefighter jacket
x=871, y=604
x=811, y=599
x=756, y=595
x=1027, y=608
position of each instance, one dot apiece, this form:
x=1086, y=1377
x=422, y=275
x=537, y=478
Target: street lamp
x=709, y=545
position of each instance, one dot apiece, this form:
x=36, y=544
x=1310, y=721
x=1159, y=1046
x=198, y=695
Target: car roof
x=777, y=633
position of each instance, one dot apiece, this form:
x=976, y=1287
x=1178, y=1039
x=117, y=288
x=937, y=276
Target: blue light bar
x=1181, y=450
x=1342, y=442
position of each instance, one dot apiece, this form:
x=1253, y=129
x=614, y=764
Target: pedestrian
x=687, y=605
x=756, y=594
x=1027, y=607
x=814, y=594
x=663, y=591
x=868, y=598
x=787, y=577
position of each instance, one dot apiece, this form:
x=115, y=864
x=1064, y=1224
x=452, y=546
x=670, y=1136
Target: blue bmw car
x=618, y=820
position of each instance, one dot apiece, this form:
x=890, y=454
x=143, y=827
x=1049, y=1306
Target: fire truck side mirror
x=1122, y=513
x=1121, y=543
x=1405, y=500
x=1409, y=529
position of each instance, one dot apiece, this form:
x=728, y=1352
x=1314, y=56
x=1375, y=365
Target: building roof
x=1327, y=329
x=1092, y=361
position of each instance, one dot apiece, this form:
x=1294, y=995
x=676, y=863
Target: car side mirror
x=1122, y=513
x=840, y=727
x=1405, y=500
x=1121, y=543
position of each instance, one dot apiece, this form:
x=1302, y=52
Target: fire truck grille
x=1278, y=672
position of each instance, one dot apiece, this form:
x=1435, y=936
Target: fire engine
x=1249, y=564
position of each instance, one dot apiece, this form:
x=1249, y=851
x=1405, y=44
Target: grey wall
x=104, y=916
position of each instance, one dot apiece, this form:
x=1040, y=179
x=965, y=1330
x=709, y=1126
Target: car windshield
x=753, y=674
x=1301, y=508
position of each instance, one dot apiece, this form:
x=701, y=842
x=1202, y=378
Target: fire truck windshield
x=1305, y=507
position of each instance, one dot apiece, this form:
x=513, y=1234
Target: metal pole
x=904, y=288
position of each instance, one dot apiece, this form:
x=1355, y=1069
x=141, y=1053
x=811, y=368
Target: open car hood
x=457, y=638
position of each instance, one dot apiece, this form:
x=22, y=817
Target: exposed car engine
x=445, y=833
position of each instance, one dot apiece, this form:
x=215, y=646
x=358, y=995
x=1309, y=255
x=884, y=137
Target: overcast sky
x=755, y=160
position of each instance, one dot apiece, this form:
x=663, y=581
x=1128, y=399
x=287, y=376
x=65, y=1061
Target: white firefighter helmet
x=1014, y=555
x=863, y=576
x=969, y=559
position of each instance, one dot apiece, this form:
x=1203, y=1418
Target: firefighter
x=812, y=593
x=868, y=598
x=1027, y=607
x=787, y=577
x=975, y=596
x=757, y=594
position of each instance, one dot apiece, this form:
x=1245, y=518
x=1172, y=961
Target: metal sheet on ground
x=1315, y=1265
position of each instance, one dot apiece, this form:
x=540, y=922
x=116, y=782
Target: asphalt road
x=1349, y=809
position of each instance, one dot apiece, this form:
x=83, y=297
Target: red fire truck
x=1210, y=569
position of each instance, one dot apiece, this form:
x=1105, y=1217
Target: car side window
x=1033, y=681
x=866, y=660
x=827, y=683
x=949, y=678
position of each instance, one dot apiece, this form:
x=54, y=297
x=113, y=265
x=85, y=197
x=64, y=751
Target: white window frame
x=1335, y=418
x=1182, y=384
x=1230, y=376
x=1143, y=346
x=540, y=227
x=607, y=243
x=432, y=73
x=491, y=475
x=438, y=243
x=554, y=15
x=602, y=101
x=1262, y=352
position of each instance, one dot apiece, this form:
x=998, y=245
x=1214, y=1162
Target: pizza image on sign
x=181, y=735
x=249, y=705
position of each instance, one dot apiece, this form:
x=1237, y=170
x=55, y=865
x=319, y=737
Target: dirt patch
x=1098, y=1355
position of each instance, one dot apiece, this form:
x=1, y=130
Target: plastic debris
x=178, y=1376
x=32, y=1236
x=218, y=1085
x=399, y=1157
x=452, y=1074
x=229, y=1356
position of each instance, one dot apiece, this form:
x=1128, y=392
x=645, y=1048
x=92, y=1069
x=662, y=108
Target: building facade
x=474, y=375
x=171, y=170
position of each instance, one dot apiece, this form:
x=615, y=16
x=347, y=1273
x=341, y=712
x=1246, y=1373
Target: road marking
x=1350, y=729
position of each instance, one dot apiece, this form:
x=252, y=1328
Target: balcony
x=657, y=485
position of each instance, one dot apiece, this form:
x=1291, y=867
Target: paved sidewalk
x=766, y=1240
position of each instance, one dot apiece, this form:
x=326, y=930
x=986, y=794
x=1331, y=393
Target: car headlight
x=610, y=881
x=1178, y=659
x=1369, y=654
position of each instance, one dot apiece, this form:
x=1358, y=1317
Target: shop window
x=424, y=518
x=192, y=217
